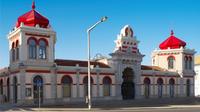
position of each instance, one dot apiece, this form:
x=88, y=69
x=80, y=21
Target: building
x=33, y=70
x=197, y=76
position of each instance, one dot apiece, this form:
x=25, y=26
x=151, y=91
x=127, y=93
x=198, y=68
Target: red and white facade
x=34, y=71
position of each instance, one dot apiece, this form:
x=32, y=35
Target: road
x=150, y=105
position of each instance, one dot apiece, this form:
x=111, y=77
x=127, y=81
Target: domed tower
x=126, y=61
x=32, y=40
x=174, y=56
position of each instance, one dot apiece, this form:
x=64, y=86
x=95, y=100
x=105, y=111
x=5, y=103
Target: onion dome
x=32, y=18
x=172, y=42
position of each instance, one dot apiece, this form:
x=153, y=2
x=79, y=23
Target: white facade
x=34, y=71
x=197, y=76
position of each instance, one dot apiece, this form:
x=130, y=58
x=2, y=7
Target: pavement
x=142, y=105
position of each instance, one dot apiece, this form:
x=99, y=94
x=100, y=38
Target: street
x=148, y=105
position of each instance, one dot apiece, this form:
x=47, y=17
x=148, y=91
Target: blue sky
x=151, y=20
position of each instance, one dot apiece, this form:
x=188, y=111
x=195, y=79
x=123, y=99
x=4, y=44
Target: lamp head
x=104, y=18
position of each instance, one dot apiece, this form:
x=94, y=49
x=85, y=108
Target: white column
x=53, y=84
x=21, y=81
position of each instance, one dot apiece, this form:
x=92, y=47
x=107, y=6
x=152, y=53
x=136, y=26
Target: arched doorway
x=15, y=90
x=85, y=84
x=188, y=87
x=128, y=86
x=38, y=89
x=66, y=86
x=160, y=87
x=8, y=89
x=107, y=86
x=171, y=87
x=147, y=83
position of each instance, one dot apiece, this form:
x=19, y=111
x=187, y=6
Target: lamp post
x=88, y=34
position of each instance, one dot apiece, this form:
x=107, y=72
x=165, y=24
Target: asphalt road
x=129, y=109
x=149, y=105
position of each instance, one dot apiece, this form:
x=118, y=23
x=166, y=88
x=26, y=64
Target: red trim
x=37, y=35
x=71, y=79
x=17, y=43
x=39, y=71
x=159, y=75
x=125, y=46
x=13, y=45
x=134, y=47
x=110, y=79
x=172, y=80
x=36, y=41
x=170, y=57
x=65, y=72
x=85, y=79
x=123, y=50
x=147, y=79
x=106, y=74
x=46, y=41
x=14, y=72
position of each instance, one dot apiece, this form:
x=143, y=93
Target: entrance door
x=38, y=89
x=128, y=86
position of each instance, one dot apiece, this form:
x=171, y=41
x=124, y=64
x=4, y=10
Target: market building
x=33, y=70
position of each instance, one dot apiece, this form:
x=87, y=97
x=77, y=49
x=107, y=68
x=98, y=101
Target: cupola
x=32, y=18
x=172, y=42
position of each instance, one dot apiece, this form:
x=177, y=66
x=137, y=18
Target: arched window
x=13, y=51
x=190, y=63
x=37, y=89
x=171, y=87
x=160, y=87
x=107, y=86
x=171, y=60
x=1, y=87
x=188, y=87
x=42, y=49
x=17, y=50
x=66, y=86
x=186, y=62
x=147, y=83
x=85, y=83
x=32, y=48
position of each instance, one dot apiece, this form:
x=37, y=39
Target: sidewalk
x=112, y=105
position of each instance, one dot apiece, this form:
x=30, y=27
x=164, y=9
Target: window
x=190, y=63
x=160, y=86
x=147, y=87
x=32, y=48
x=42, y=49
x=17, y=50
x=85, y=83
x=186, y=62
x=13, y=54
x=171, y=62
x=13, y=51
x=106, y=86
x=66, y=86
x=171, y=87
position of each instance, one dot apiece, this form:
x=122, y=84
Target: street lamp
x=88, y=33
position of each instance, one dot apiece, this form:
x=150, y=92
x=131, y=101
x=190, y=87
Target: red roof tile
x=172, y=42
x=61, y=62
x=33, y=18
x=156, y=68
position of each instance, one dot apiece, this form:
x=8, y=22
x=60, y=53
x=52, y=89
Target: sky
x=151, y=20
